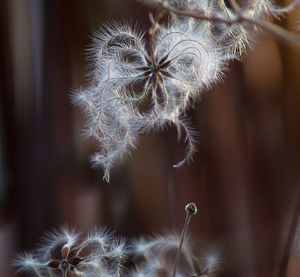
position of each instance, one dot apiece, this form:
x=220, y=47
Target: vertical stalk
x=190, y=209
x=283, y=266
x=153, y=31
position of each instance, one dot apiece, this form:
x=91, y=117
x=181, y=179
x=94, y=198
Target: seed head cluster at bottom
x=65, y=253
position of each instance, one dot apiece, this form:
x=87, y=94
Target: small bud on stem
x=191, y=209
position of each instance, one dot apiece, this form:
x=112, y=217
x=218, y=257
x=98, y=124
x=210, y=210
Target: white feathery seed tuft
x=137, y=85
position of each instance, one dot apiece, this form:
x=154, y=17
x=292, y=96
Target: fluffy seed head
x=137, y=86
x=63, y=252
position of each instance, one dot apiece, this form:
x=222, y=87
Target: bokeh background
x=244, y=178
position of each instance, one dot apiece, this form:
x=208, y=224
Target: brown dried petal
x=65, y=252
x=75, y=261
x=53, y=263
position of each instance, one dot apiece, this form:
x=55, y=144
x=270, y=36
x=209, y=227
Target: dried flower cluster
x=65, y=253
x=144, y=81
x=100, y=254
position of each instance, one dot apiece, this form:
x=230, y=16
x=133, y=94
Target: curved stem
x=271, y=28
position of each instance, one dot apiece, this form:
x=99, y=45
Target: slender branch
x=240, y=18
x=235, y=6
x=153, y=31
x=190, y=209
x=275, y=30
x=288, y=244
x=199, y=16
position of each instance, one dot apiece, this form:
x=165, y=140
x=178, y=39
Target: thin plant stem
x=282, y=271
x=190, y=209
x=241, y=18
x=274, y=30
x=235, y=6
x=152, y=33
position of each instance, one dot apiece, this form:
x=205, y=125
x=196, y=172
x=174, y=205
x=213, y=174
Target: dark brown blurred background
x=244, y=178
